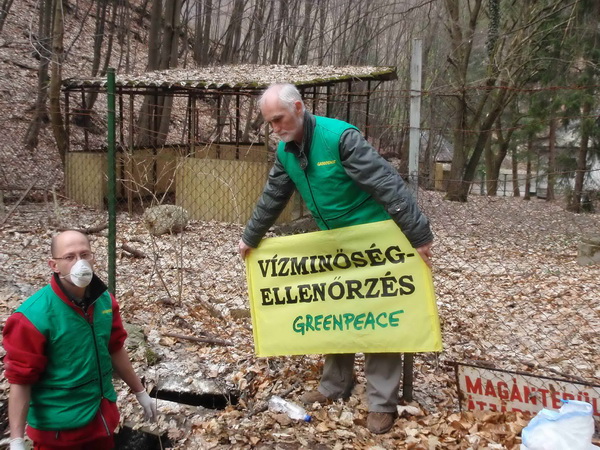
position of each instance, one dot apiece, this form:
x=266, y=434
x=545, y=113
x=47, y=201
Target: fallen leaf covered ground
x=510, y=295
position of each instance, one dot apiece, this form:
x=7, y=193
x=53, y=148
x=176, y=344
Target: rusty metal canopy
x=239, y=77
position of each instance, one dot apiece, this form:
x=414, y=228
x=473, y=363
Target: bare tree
x=278, y=39
x=587, y=38
x=515, y=172
x=510, y=63
x=233, y=34
x=586, y=126
x=551, y=159
x=56, y=117
x=170, y=41
x=154, y=35
x=44, y=51
x=206, y=34
x=123, y=32
x=99, y=67
x=502, y=141
x=201, y=26
x=165, y=29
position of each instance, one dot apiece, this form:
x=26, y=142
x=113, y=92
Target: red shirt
x=25, y=362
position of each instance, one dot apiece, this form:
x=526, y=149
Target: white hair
x=287, y=94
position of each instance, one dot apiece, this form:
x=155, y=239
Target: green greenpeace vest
x=79, y=369
x=331, y=196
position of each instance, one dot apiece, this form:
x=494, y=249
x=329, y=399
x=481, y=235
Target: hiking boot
x=380, y=422
x=310, y=397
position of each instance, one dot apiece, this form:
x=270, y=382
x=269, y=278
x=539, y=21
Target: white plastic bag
x=570, y=428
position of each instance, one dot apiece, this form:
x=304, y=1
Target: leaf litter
x=499, y=284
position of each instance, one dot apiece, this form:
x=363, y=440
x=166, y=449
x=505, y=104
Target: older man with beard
x=344, y=182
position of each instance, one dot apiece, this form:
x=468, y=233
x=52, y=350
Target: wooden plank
x=222, y=190
x=85, y=178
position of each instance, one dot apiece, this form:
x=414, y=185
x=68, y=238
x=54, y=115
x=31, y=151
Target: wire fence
x=510, y=291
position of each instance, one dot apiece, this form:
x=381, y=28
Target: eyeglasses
x=88, y=256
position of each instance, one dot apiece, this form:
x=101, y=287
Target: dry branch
x=207, y=340
x=20, y=64
x=89, y=230
x=214, y=312
x=133, y=251
x=18, y=202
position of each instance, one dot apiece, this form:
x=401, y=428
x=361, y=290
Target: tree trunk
x=259, y=30
x=198, y=30
x=147, y=125
x=96, y=62
x=341, y=40
x=123, y=32
x=233, y=34
x=527, y=195
x=168, y=60
x=494, y=161
x=56, y=118
x=40, y=112
x=306, y=33
x=461, y=42
x=551, y=160
x=277, y=43
x=430, y=155
x=207, y=28
x=455, y=191
x=491, y=171
x=293, y=32
x=101, y=7
x=204, y=10
x=184, y=35
x=111, y=39
x=458, y=188
x=515, y=173
x=257, y=36
x=483, y=134
x=322, y=25
x=575, y=200
x=154, y=36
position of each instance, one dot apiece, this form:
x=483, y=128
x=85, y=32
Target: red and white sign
x=496, y=390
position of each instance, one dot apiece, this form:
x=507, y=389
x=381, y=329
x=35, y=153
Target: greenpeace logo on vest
x=107, y=311
x=326, y=163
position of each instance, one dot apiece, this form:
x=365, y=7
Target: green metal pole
x=112, y=181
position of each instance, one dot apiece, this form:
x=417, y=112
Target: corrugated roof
x=242, y=76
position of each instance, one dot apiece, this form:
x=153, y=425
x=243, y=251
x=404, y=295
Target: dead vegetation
x=509, y=293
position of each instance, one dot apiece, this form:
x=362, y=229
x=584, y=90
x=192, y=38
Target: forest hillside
x=21, y=54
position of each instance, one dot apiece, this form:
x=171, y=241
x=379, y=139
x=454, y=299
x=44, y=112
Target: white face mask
x=81, y=273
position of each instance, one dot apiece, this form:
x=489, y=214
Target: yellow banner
x=354, y=289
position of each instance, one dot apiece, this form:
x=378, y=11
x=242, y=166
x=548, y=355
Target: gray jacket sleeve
x=275, y=196
x=376, y=176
